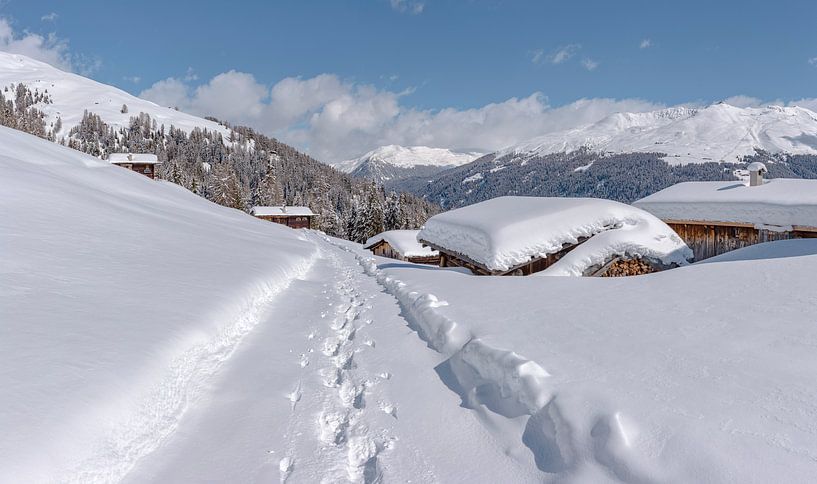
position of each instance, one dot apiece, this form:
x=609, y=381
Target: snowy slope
x=73, y=94
x=719, y=132
x=119, y=295
x=668, y=377
x=148, y=335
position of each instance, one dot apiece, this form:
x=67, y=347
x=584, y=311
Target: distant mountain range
x=392, y=163
x=629, y=155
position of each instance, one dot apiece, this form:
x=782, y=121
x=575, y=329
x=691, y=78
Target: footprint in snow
x=285, y=467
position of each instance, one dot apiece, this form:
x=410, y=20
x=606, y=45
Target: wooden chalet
x=144, y=163
x=717, y=217
x=293, y=217
x=402, y=245
x=526, y=235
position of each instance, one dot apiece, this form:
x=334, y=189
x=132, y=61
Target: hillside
x=151, y=336
x=233, y=166
x=390, y=164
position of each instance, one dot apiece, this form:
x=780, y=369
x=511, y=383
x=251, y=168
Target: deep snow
x=148, y=335
x=504, y=232
x=404, y=242
x=781, y=202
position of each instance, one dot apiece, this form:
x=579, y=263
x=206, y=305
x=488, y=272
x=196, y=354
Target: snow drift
x=504, y=232
x=119, y=295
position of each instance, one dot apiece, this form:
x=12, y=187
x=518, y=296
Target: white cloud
x=49, y=49
x=813, y=61
x=589, y=64
x=563, y=53
x=413, y=7
x=51, y=17
x=334, y=120
x=537, y=55
x=645, y=44
x=133, y=79
x=808, y=103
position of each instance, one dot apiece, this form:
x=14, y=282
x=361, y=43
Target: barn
x=555, y=236
x=402, y=245
x=718, y=217
x=144, y=163
x=293, y=217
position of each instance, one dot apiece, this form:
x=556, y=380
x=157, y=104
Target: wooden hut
x=402, y=245
x=718, y=217
x=562, y=236
x=144, y=163
x=293, y=217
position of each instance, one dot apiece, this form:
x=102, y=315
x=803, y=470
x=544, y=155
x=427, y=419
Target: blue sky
x=433, y=55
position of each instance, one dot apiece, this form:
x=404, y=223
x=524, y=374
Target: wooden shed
x=562, y=236
x=144, y=163
x=718, y=217
x=402, y=245
x=293, y=217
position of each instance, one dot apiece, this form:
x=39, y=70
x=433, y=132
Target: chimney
x=756, y=172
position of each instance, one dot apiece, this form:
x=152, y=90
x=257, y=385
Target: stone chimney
x=756, y=172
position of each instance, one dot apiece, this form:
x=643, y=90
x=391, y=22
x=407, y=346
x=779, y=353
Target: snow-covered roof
x=781, y=202
x=507, y=231
x=146, y=158
x=404, y=242
x=279, y=211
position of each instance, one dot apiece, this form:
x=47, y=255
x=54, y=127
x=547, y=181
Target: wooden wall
x=292, y=221
x=149, y=170
x=709, y=240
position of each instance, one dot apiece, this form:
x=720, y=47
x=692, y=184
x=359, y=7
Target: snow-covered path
x=333, y=386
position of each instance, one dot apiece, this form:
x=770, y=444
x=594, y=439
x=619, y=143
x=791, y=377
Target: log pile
x=629, y=267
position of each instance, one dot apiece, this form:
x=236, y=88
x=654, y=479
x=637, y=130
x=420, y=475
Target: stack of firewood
x=630, y=267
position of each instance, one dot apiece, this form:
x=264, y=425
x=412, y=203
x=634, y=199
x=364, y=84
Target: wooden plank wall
x=709, y=240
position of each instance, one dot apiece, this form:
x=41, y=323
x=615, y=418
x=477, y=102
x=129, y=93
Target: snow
x=666, y=377
x=781, y=202
x=719, y=132
x=147, y=158
x=119, y=295
x=150, y=336
x=282, y=211
x=409, y=157
x=73, y=94
x=473, y=178
x=404, y=242
x=507, y=231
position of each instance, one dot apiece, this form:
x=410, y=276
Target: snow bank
x=661, y=378
x=119, y=297
x=507, y=231
x=781, y=202
x=404, y=242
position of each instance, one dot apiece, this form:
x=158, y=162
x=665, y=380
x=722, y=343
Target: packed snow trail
x=333, y=387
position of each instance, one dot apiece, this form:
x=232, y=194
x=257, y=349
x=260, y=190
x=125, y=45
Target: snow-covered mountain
x=719, y=132
x=73, y=94
x=627, y=156
x=393, y=162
